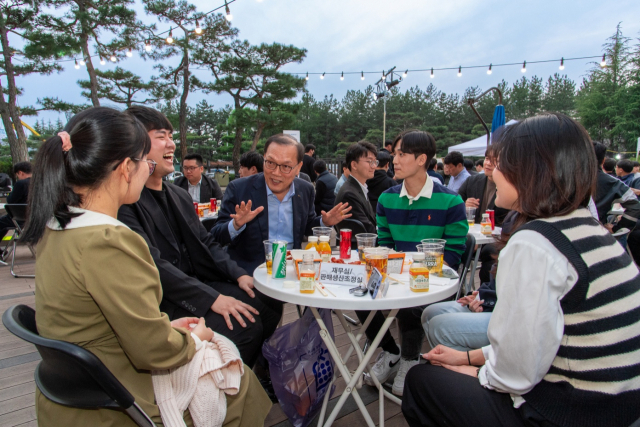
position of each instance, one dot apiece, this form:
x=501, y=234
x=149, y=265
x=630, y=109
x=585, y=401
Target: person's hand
x=463, y=369
x=466, y=300
x=246, y=284
x=184, y=322
x=229, y=306
x=472, y=203
x=609, y=227
x=442, y=355
x=201, y=330
x=476, y=306
x=335, y=215
x=636, y=192
x=244, y=214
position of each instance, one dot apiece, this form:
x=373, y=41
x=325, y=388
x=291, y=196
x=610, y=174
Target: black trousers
x=488, y=257
x=436, y=396
x=249, y=340
x=5, y=225
x=633, y=241
x=411, y=331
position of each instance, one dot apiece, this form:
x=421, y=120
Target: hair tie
x=66, y=141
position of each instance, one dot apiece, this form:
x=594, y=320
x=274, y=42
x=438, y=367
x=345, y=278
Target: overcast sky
x=372, y=35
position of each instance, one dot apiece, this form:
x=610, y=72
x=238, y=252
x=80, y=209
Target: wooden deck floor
x=18, y=360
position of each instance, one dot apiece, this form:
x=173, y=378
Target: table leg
x=472, y=273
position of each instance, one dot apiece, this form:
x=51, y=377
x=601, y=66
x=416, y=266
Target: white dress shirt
x=194, y=190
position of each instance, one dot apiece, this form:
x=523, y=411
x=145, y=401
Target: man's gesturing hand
x=335, y=215
x=244, y=214
x=229, y=306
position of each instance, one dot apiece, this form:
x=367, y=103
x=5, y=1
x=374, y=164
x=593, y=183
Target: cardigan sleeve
x=129, y=297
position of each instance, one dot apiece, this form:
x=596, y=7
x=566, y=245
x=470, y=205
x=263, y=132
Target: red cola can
x=345, y=243
x=195, y=206
x=492, y=217
x=213, y=202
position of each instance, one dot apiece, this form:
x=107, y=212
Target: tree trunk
x=93, y=80
x=183, y=102
x=10, y=118
x=256, y=138
x=237, y=141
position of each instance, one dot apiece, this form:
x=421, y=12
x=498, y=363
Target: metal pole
x=384, y=121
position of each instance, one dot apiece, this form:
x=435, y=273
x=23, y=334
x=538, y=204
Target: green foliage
x=122, y=86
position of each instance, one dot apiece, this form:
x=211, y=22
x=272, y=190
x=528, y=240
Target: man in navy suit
x=284, y=207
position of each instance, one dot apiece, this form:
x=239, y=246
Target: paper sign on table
x=343, y=274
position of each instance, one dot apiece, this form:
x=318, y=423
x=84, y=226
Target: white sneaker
x=385, y=367
x=398, y=382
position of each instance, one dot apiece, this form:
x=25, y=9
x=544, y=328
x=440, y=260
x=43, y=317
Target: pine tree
x=123, y=87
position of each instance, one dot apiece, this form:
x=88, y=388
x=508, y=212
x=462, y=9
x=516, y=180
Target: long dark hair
x=101, y=139
x=550, y=161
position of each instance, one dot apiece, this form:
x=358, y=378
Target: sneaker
x=385, y=367
x=398, y=382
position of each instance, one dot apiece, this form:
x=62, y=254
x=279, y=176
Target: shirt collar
x=364, y=187
x=427, y=191
x=86, y=219
x=290, y=193
x=199, y=182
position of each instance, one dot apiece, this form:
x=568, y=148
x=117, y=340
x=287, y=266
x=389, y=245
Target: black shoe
x=268, y=388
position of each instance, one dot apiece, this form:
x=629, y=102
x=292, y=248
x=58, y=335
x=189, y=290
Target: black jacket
x=247, y=248
x=20, y=192
x=183, y=295
x=474, y=187
x=209, y=188
x=377, y=185
x=307, y=167
x=325, y=185
x=351, y=192
x=608, y=189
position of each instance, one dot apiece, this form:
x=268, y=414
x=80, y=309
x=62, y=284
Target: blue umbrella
x=498, y=120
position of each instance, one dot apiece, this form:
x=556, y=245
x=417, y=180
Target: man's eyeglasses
x=152, y=164
x=286, y=169
x=191, y=168
x=372, y=163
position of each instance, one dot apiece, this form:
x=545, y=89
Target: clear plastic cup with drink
x=268, y=254
x=376, y=258
x=365, y=240
x=433, y=256
x=471, y=216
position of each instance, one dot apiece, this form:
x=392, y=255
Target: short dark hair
x=359, y=150
x=383, y=159
x=282, y=139
x=24, y=167
x=432, y=163
x=454, y=158
x=480, y=162
x=309, y=147
x=150, y=118
x=440, y=166
x=344, y=164
x=468, y=163
x=387, y=143
x=319, y=166
x=625, y=165
x=601, y=151
x=252, y=158
x=635, y=164
x=417, y=142
x=194, y=156
x=609, y=164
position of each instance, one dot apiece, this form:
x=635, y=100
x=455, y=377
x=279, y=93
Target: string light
x=524, y=67
x=77, y=67
x=229, y=16
x=307, y=78
x=603, y=63
x=432, y=76
x=460, y=71
x=130, y=53
x=362, y=75
x=170, y=38
x=82, y=63
x=102, y=61
x=489, y=70
x=198, y=30
x=113, y=58
x=322, y=76
x=342, y=76
x=147, y=46
x=562, y=64
x=404, y=75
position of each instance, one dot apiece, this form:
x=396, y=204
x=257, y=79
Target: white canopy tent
x=475, y=147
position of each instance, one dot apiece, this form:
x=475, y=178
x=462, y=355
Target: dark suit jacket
x=377, y=185
x=209, y=188
x=351, y=192
x=325, y=198
x=474, y=187
x=182, y=294
x=307, y=167
x=247, y=248
x=20, y=192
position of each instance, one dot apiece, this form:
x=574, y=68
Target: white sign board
x=343, y=274
x=294, y=133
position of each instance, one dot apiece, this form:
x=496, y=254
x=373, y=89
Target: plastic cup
x=268, y=254
x=322, y=231
x=365, y=240
x=376, y=258
x=442, y=242
x=433, y=256
x=471, y=216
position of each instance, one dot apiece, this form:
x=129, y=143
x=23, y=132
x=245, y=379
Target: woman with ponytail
x=96, y=283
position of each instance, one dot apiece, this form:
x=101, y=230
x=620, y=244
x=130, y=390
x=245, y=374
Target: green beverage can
x=279, y=269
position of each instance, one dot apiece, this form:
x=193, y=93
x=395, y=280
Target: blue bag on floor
x=301, y=367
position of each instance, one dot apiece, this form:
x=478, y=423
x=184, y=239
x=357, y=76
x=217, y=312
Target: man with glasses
x=200, y=187
x=362, y=161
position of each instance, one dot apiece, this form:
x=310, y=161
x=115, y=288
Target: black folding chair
x=69, y=375
x=465, y=262
x=18, y=214
x=355, y=226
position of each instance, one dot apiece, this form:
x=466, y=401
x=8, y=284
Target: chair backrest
x=68, y=374
x=17, y=213
x=355, y=226
x=465, y=261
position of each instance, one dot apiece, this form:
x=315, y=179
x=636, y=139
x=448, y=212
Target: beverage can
x=279, y=267
x=492, y=217
x=345, y=243
x=195, y=206
x=213, y=203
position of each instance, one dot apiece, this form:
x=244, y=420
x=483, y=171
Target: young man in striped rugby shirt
x=418, y=209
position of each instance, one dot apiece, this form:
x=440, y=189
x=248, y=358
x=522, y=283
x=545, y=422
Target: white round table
x=398, y=296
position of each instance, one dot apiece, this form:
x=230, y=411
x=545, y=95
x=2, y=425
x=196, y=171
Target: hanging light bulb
x=524, y=67
x=404, y=75
x=362, y=76
x=489, y=70
x=562, y=64
x=113, y=57
x=170, y=38
x=77, y=67
x=342, y=76
x=198, y=30
x=147, y=46
x=322, y=76
x=229, y=16
x=102, y=61
x=130, y=52
x=307, y=78
x=603, y=63
x=432, y=76
x=460, y=71
x=82, y=63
